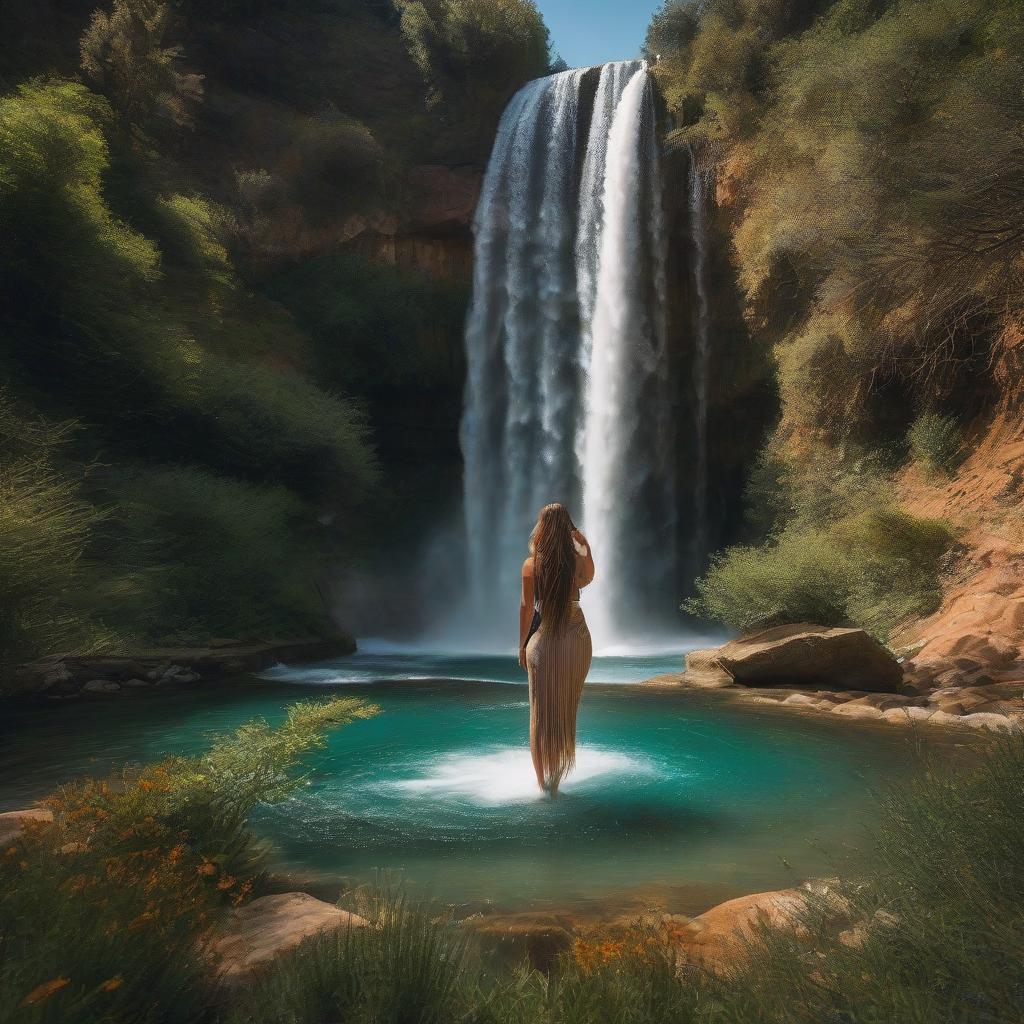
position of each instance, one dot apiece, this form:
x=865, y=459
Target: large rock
x=802, y=654
x=718, y=939
x=256, y=934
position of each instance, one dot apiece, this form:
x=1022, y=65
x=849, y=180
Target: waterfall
x=567, y=394
x=702, y=349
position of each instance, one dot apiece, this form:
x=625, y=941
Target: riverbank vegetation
x=198, y=426
x=868, y=157
x=110, y=914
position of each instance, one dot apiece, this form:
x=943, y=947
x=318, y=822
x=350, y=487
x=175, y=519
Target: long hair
x=554, y=563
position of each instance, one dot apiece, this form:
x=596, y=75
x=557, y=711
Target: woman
x=557, y=656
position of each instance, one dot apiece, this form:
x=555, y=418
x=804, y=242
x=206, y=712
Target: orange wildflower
x=44, y=991
x=225, y=882
x=112, y=983
x=207, y=868
x=176, y=853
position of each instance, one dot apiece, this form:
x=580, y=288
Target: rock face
x=800, y=654
x=262, y=930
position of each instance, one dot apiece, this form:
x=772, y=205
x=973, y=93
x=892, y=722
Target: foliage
x=873, y=568
x=44, y=528
x=464, y=43
x=86, y=300
x=107, y=913
x=125, y=59
x=379, y=328
x=473, y=54
x=941, y=902
x=404, y=967
x=934, y=440
x=195, y=555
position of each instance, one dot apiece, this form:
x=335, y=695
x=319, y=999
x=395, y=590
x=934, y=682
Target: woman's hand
x=522, y=658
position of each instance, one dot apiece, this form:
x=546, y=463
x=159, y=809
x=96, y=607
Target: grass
x=934, y=441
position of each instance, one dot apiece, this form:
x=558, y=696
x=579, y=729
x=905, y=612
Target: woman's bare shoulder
x=528, y=566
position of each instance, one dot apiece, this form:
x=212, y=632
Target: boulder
x=992, y=722
x=256, y=934
x=802, y=654
x=854, y=710
x=12, y=823
x=101, y=686
x=718, y=938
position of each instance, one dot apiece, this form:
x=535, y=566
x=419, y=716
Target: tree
x=125, y=58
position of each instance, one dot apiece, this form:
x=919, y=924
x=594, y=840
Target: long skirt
x=557, y=664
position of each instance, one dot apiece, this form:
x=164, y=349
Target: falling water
x=702, y=350
x=567, y=389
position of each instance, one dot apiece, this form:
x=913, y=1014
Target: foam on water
x=505, y=775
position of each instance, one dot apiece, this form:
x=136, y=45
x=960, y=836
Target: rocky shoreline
x=805, y=666
x=70, y=677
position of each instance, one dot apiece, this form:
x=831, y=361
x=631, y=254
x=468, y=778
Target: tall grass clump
x=934, y=441
x=45, y=527
x=107, y=913
x=408, y=966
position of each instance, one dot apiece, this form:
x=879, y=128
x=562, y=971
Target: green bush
x=185, y=554
x=45, y=527
x=934, y=441
x=873, y=569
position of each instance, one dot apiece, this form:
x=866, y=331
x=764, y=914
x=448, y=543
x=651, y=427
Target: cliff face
x=978, y=631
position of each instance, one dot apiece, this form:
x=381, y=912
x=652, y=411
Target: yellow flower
x=44, y=991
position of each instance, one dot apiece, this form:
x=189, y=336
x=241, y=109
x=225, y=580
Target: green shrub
x=873, y=569
x=185, y=554
x=45, y=526
x=934, y=441
x=801, y=577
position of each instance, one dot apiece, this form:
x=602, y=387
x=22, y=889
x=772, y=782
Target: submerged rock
x=798, y=654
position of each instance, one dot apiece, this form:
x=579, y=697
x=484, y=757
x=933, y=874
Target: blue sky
x=594, y=31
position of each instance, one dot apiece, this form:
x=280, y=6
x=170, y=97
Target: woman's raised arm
x=585, y=559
